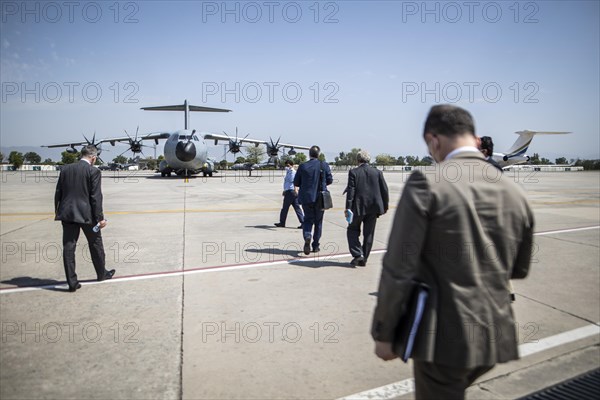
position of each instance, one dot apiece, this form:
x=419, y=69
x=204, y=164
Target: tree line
x=256, y=155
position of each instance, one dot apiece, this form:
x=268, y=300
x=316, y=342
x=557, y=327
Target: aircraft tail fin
x=186, y=108
x=520, y=146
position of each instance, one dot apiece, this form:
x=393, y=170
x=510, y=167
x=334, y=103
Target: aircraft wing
x=256, y=142
x=151, y=136
x=70, y=144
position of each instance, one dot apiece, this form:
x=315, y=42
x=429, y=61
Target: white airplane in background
x=516, y=153
x=185, y=151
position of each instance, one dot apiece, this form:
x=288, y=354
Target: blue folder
x=409, y=322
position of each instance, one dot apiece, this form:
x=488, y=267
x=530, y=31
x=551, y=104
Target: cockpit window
x=195, y=137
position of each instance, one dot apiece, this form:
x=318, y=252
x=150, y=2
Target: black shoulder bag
x=324, y=201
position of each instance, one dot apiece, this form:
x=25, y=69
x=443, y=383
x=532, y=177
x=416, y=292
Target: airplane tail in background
x=525, y=137
x=186, y=108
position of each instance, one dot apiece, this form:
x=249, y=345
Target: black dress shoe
x=362, y=263
x=74, y=288
x=279, y=225
x=107, y=275
x=316, y=250
x=358, y=261
x=300, y=227
x=307, y=246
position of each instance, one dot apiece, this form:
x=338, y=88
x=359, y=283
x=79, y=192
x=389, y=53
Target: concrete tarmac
x=211, y=301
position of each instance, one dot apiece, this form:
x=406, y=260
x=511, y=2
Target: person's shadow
x=316, y=263
x=290, y=253
x=46, y=284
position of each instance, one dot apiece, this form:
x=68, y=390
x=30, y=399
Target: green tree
x=120, y=159
x=1, y=157
x=240, y=160
x=69, y=158
x=322, y=157
x=160, y=158
x=48, y=161
x=410, y=160
x=427, y=160
x=561, y=161
x=384, y=159
x=299, y=158
x=255, y=155
x=151, y=163
x=400, y=161
x=16, y=159
x=535, y=159
x=32, y=157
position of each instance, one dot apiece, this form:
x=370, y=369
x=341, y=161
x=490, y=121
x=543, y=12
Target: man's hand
x=103, y=223
x=384, y=351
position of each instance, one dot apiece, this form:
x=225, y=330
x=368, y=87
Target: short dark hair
x=289, y=162
x=314, y=151
x=448, y=120
x=487, y=144
x=89, y=151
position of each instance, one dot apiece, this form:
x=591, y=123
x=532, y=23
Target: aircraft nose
x=185, y=151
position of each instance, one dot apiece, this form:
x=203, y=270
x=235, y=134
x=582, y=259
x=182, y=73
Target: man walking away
x=442, y=235
x=311, y=178
x=367, y=198
x=78, y=204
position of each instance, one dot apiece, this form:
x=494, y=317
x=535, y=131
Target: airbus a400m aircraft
x=185, y=151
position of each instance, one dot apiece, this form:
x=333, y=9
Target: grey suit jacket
x=465, y=233
x=367, y=192
x=78, y=196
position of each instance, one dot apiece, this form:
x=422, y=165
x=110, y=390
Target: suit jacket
x=367, y=192
x=465, y=236
x=78, y=196
x=307, y=179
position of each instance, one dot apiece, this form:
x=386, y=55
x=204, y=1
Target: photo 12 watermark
x=269, y=332
x=470, y=92
x=270, y=92
x=453, y=12
x=52, y=252
x=254, y=252
x=252, y=12
x=69, y=332
x=69, y=92
x=53, y=12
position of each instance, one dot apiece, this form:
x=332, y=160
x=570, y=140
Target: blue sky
x=339, y=74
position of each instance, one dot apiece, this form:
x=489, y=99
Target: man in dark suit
x=311, y=178
x=78, y=204
x=367, y=197
x=486, y=146
x=465, y=236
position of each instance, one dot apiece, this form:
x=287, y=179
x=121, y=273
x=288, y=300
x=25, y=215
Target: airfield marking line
x=587, y=228
x=231, y=267
x=197, y=270
x=406, y=386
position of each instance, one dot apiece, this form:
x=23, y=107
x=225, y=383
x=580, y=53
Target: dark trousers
x=368, y=223
x=290, y=199
x=70, y=237
x=312, y=216
x=434, y=381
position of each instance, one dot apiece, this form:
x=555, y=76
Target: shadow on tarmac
x=46, y=284
x=322, y=263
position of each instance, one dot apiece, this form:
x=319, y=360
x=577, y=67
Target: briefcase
x=409, y=322
x=324, y=200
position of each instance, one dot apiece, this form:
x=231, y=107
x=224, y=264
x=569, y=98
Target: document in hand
x=409, y=322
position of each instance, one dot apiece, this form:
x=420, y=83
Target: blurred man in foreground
x=465, y=237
